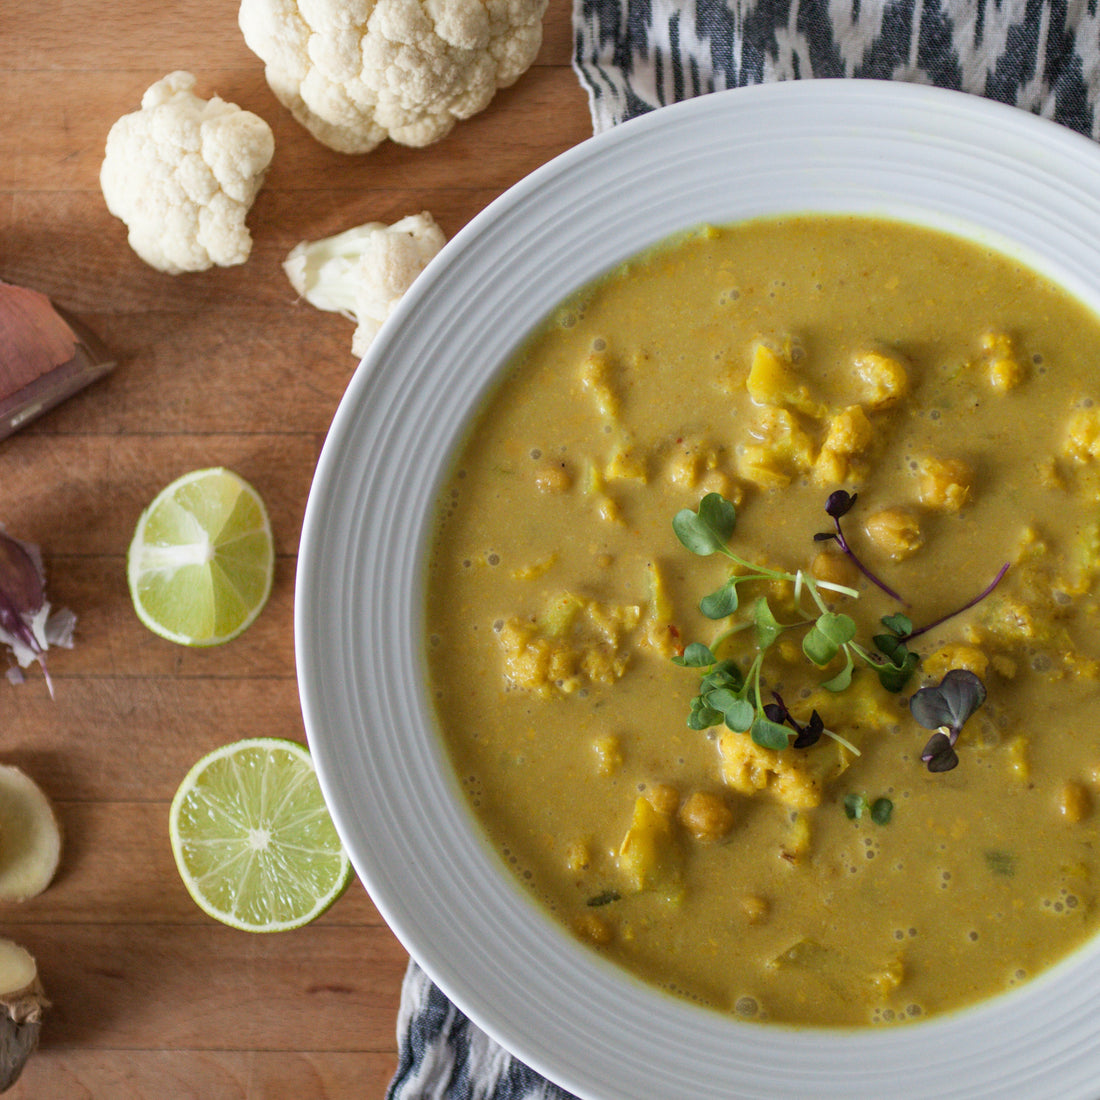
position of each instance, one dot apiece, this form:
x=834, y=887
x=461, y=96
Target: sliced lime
x=202, y=559
x=253, y=840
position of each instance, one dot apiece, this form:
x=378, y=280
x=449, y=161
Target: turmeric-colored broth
x=775, y=362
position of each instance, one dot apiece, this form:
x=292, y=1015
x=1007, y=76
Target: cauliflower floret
x=848, y=436
x=780, y=449
x=364, y=272
x=883, y=379
x=945, y=484
x=182, y=173
x=795, y=778
x=355, y=72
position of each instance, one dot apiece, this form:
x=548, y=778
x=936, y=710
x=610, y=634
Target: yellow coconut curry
x=721, y=635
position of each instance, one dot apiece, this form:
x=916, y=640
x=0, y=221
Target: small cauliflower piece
x=1003, y=368
x=848, y=436
x=883, y=379
x=182, y=173
x=596, y=379
x=356, y=72
x=895, y=531
x=782, y=450
x=957, y=655
x=1082, y=442
x=944, y=484
x=365, y=271
x=773, y=380
x=649, y=856
x=797, y=779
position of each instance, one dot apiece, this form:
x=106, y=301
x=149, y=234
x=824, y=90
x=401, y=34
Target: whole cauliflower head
x=182, y=173
x=355, y=72
x=364, y=272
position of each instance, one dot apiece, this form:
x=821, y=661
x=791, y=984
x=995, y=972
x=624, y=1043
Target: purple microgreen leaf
x=810, y=733
x=949, y=704
x=939, y=754
x=840, y=503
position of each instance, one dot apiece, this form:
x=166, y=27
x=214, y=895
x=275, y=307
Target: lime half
x=253, y=840
x=202, y=559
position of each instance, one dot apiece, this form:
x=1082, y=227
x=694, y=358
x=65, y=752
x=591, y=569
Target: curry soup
x=760, y=369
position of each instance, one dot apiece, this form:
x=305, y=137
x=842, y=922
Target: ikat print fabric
x=633, y=56
x=1040, y=55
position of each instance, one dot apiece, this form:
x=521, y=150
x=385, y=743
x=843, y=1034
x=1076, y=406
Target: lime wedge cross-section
x=253, y=840
x=202, y=559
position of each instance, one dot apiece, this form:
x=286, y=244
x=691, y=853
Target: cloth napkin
x=633, y=56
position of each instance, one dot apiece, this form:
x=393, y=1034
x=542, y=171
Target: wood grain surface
x=151, y=998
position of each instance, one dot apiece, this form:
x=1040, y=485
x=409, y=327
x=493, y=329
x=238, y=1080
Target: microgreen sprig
x=945, y=709
x=840, y=504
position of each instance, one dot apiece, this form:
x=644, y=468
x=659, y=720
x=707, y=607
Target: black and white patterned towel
x=636, y=55
x=1041, y=55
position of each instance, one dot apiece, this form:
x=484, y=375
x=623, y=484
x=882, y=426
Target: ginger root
x=30, y=837
x=23, y=1004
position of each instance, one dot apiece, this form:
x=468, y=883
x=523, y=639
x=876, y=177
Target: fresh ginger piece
x=30, y=837
x=24, y=1004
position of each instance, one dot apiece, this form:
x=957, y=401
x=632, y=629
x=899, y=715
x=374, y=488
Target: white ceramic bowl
x=933, y=157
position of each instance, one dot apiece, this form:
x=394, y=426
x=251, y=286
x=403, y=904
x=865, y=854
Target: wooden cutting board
x=151, y=998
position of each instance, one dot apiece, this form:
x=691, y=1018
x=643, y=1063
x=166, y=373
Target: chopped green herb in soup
x=763, y=614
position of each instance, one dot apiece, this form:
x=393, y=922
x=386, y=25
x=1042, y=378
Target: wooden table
x=151, y=998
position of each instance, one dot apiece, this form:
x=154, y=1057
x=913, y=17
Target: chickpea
x=895, y=531
x=706, y=816
x=833, y=568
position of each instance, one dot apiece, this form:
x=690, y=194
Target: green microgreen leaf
x=838, y=628
x=695, y=655
x=893, y=676
x=708, y=530
x=722, y=602
x=842, y=680
x=881, y=811
x=898, y=624
x=723, y=674
x=819, y=647
x=703, y=717
x=740, y=715
x=770, y=735
x=767, y=627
